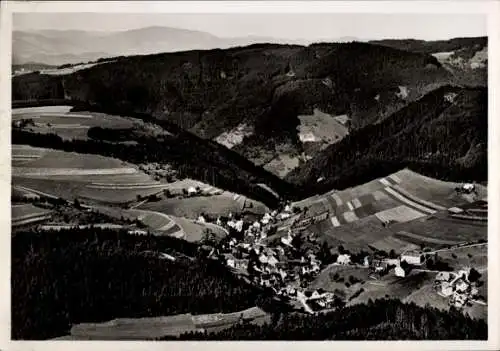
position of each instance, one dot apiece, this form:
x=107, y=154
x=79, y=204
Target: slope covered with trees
x=265, y=86
x=92, y=275
x=442, y=135
x=376, y=320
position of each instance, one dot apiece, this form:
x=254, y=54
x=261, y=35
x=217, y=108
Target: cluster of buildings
x=158, y=170
x=273, y=264
x=456, y=286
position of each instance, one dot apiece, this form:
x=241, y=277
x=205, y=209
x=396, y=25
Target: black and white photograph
x=262, y=176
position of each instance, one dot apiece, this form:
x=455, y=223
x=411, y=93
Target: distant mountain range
x=57, y=47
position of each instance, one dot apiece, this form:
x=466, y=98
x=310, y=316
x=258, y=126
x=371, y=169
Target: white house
x=446, y=289
x=366, y=261
x=284, y=215
x=399, y=271
x=239, y=225
x=461, y=285
x=443, y=276
x=412, y=257
x=344, y=259
x=192, y=190
x=468, y=187
x=231, y=262
x=201, y=219
x=288, y=208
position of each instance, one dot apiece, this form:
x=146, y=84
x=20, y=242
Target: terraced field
x=414, y=207
x=162, y=224
x=28, y=214
x=90, y=177
x=59, y=120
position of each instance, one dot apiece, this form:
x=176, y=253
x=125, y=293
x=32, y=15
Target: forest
x=433, y=136
x=383, y=319
x=264, y=86
x=60, y=278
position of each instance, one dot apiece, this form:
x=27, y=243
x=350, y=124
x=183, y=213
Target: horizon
x=313, y=28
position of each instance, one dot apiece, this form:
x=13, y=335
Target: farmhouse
x=344, y=259
x=400, y=271
x=379, y=266
x=412, y=257
x=192, y=191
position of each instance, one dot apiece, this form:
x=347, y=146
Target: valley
x=265, y=191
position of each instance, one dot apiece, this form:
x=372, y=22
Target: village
x=288, y=263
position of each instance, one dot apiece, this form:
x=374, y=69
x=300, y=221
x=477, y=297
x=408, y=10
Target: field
x=435, y=231
x=28, y=214
x=162, y=224
x=156, y=327
x=433, y=190
x=59, y=120
x=215, y=205
x=413, y=206
x=325, y=279
x=458, y=258
x=282, y=164
x=395, y=287
x=73, y=175
x=393, y=243
x=321, y=127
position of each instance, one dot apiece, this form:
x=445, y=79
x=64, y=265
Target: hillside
x=255, y=95
x=442, y=135
x=465, y=58
x=116, y=277
x=376, y=320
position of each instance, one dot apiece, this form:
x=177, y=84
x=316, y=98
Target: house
x=201, y=219
x=412, y=257
x=400, y=271
x=443, y=276
x=468, y=188
x=379, y=265
x=231, y=262
x=263, y=259
x=239, y=225
x=344, y=259
x=163, y=255
x=316, y=295
x=446, y=289
x=192, y=191
x=392, y=261
x=461, y=285
x=287, y=240
x=284, y=215
x=366, y=261
x=458, y=299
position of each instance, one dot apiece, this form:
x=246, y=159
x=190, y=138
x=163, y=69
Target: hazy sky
x=293, y=26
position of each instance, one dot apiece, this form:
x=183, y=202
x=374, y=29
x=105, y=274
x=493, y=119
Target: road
x=457, y=248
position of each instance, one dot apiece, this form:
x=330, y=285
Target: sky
x=287, y=26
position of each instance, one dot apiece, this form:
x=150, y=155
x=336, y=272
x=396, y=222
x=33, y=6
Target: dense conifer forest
x=376, y=320
x=433, y=136
x=65, y=277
